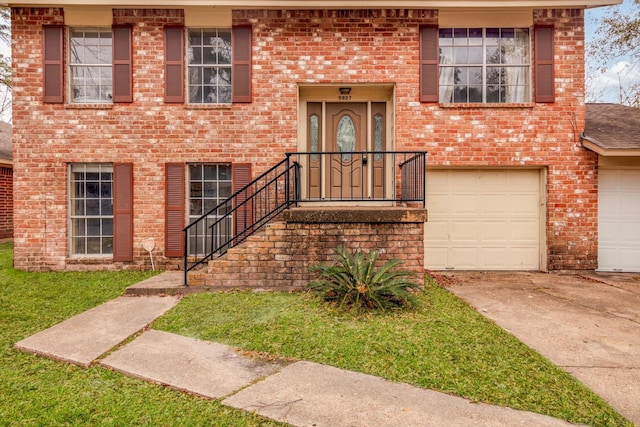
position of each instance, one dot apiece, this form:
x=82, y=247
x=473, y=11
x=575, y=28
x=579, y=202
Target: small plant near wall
x=354, y=282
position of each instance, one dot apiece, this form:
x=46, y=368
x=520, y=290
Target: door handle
x=364, y=160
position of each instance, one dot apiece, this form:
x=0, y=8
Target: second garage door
x=483, y=220
x=619, y=220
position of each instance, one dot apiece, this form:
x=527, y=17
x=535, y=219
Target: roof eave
x=609, y=152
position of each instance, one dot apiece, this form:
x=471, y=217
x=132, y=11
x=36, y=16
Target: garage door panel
x=629, y=180
x=438, y=230
x=437, y=204
x=494, y=204
x=525, y=231
x=494, y=232
x=525, y=204
x=463, y=231
x=465, y=204
x=464, y=257
x=492, y=220
x=524, y=181
x=619, y=220
x=494, y=258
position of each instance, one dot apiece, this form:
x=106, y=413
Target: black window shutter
x=122, y=64
x=53, y=66
x=241, y=64
x=174, y=65
x=123, y=212
x=429, y=63
x=174, y=209
x=544, y=64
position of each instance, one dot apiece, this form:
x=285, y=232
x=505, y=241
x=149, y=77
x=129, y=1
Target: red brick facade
x=289, y=48
x=6, y=202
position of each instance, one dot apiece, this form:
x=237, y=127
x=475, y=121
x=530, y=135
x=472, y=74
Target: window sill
x=487, y=105
x=89, y=259
x=88, y=106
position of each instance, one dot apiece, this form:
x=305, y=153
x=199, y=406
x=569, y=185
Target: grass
x=36, y=391
x=443, y=345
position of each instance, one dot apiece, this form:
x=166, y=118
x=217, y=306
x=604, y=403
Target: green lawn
x=39, y=392
x=443, y=344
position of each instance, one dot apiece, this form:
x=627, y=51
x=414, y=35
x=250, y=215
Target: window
x=209, y=185
x=214, y=74
x=91, y=209
x=91, y=65
x=209, y=59
x=484, y=65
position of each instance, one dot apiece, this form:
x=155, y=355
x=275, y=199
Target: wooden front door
x=346, y=132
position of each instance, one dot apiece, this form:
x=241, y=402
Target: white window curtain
x=447, y=75
x=516, y=76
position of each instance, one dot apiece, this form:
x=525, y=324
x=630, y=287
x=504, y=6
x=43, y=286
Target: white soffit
x=470, y=18
x=207, y=17
x=88, y=15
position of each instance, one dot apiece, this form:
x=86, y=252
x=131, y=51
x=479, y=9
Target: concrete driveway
x=588, y=325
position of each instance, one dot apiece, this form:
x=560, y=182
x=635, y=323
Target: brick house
x=6, y=182
x=130, y=122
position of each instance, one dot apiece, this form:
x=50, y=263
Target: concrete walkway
x=588, y=325
x=300, y=393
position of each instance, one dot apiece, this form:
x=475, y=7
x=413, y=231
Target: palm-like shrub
x=354, y=282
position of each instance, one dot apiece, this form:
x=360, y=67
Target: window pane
x=107, y=207
x=209, y=54
x=107, y=245
x=224, y=172
x=484, y=50
x=107, y=227
x=91, y=209
x=224, y=189
x=90, y=58
x=224, y=94
x=210, y=189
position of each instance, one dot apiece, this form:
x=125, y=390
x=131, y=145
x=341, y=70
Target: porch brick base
x=278, y=258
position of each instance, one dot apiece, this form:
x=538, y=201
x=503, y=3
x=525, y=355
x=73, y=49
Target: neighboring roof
x=306, y=4
x=6, y=152
x=612, y=130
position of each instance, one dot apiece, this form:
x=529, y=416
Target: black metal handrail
x=361, y=176
x=242, y=214
x=355, y=176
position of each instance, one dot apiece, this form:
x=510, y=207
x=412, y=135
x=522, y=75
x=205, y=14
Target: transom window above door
x=484, y=65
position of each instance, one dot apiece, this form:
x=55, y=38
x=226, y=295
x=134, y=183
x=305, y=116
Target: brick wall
x=6, y=202
x=279, y=258
x=290, y=48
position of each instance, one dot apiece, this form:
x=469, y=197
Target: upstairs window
x=209, y=66
x=484, y=65
x=216, y=65
x=90, y=65
x=99, y=64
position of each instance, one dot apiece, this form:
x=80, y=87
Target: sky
x=607, y=86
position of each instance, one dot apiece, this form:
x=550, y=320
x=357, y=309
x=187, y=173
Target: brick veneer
x=289, y=48
x=6, y=202
x=279, y=257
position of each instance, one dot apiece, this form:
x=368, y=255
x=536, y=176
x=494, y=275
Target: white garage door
x=483, y=220
x=619, y=220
